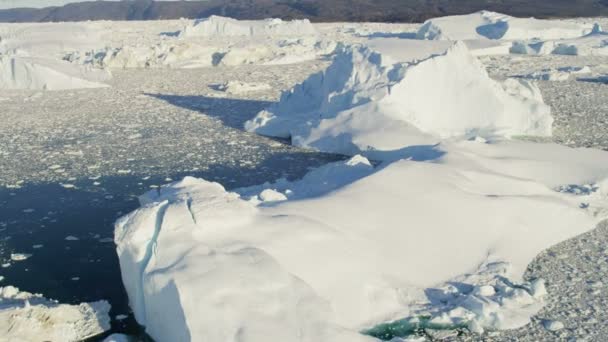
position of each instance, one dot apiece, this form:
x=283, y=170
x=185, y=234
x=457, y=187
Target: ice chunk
x=366, y=103
x=352, y=254
x=492, y=25
x=30, y=317
x=216, y=26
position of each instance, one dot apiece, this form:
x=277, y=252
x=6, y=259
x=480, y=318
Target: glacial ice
x=30, y=317
x=376, y=102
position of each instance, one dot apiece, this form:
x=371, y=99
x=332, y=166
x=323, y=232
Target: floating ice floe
x=559, y=74
x=378, y=100
x=592, y=44
x=238, y=87
x=31, y=317
x=195, y=252
x=491, y=25
x=35, y=73
x=221, y=27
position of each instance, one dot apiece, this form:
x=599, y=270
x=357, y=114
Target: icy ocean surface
x=75, y=160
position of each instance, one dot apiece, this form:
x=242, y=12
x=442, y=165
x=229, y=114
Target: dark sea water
x=87, y=269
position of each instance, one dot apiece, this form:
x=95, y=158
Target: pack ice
x=30, y=317
x=437, y=213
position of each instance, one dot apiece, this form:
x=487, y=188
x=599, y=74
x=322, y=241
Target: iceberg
x=377, y=99
x=492, y=25
x=30, y=317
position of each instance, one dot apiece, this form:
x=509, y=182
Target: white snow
x=31, y=317
x=218, y=27
x=492, y=25
x=376, y=233
x=378, y=102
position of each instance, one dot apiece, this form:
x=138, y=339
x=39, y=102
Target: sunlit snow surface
x=71, y=155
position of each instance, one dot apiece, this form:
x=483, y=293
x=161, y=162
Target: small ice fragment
x=6, y=265
x=270, y=195
x=68, y=186
x=121, y=317
x=117, y=338
x=75, y=278
x=37, y=246
x=29, y=210
x=538, y=289
x=20, y=256
x=1, y=278
x=106, y=240
x=484, y=291
x=71, y=238
x=553, y=325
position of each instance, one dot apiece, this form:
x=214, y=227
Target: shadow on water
x=87, y=269
x=231, y=112
x=600, y=79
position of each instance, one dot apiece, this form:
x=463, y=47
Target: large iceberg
x=492, y=25
x=351, y=246
x=376, y=100
x=221, y=27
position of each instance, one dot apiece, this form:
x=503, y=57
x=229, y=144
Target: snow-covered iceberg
x=381, y=99
x=217, y=26
x=351, y=246
x=492, y=25
x=592, y=44
x=30, y=317
x=24, y=72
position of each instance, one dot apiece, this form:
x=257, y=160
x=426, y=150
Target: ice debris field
x=460, y=164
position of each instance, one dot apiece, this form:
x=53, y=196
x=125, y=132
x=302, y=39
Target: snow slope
x=492, y=25
x=31, y=317
x=378, y=100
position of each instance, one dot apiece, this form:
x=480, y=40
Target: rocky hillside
x=316, y=10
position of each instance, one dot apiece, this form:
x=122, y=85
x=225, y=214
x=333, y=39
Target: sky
x=6, y=4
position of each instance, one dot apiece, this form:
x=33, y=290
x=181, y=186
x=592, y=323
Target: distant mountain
x=316, y=10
